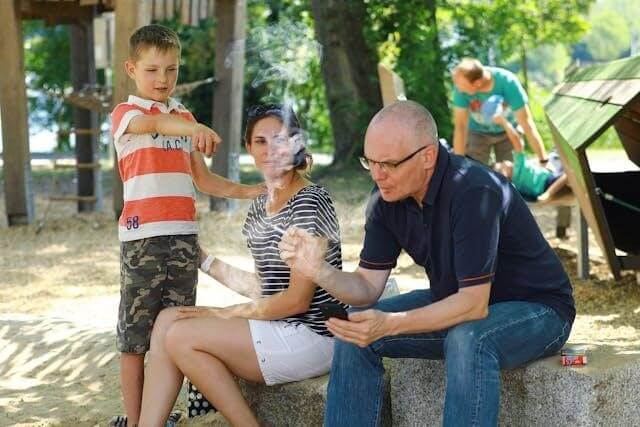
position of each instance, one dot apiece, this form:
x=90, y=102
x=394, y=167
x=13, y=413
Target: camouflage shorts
x=155, y=273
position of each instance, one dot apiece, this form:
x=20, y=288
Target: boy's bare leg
x=164, y=379
x=131, y=382
x=553, y=189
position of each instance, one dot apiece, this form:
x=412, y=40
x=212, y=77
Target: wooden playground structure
x=82, y=16
x=590, y=101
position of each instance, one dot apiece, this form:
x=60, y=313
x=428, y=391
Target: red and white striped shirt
x=159, y=198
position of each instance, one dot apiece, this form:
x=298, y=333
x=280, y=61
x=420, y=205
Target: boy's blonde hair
x=153, y=36
x=470, y=68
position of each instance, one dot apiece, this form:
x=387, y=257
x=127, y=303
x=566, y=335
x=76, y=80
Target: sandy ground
x=59, y=296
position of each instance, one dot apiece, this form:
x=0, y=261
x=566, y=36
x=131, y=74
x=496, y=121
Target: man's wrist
x=395, y=322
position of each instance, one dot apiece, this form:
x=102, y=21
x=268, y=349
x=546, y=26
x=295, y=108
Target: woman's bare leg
x=163, y=379
x=209, y=351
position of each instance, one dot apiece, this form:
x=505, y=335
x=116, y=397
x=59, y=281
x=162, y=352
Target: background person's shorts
x=480, y=145
x=289, y=352
x=155, y=273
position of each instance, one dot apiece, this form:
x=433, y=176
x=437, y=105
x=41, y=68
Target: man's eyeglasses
x=387, y=166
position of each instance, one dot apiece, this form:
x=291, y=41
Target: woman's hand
x=185, y=312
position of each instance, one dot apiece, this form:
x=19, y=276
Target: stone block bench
x=296, y=404
x=543, y=393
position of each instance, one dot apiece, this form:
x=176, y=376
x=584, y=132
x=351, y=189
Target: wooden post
x=13, y=113
x=130, y=14
x=582, y=236
x=228, y=92
x=83, y=72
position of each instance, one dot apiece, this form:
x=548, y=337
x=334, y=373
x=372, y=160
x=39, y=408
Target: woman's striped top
x=310, y=209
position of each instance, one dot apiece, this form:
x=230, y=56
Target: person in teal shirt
x=533, y=181
x=475, y=134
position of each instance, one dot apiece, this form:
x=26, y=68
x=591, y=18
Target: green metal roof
x=628, y=68
x=590, y=98
x=579, y=121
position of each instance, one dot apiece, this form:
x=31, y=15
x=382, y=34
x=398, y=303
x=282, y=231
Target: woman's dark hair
x=302, y=160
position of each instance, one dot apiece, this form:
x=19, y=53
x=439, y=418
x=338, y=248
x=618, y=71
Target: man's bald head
x=413, y=118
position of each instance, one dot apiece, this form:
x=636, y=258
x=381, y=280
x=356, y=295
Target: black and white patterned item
x=197, y=404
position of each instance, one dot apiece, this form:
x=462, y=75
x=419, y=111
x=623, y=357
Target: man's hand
x=205, y=139
x=193, y=312
x=303, y=252
x=363, y=327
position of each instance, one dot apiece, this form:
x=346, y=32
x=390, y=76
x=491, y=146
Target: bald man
x=477, y=91
x=498, y=295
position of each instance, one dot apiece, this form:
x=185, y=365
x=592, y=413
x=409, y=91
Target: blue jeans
x=513, y=333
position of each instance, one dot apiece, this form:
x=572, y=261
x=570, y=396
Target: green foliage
x=403, y=33
x=197, y=63
x=614, y=24
x=500, y=30
x=538, y=97
x=406, y=33
x=47, y=67
x=525, y=24
x=609, y=36
x=547, y=64
x=281, y=62
x=272, y=17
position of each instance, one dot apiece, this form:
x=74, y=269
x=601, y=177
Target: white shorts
x=289, y=352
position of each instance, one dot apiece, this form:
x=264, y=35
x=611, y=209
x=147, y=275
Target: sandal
x=173, y=419
x=121, y=420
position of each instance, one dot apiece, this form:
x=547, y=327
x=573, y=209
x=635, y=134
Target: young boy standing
x=159, y=145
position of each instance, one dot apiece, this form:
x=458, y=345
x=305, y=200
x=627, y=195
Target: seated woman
x=279, y=336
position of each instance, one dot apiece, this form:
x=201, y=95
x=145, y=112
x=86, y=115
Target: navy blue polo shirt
x=472, y=228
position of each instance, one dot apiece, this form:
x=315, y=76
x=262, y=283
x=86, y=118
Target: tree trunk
x=83, y=72
x=437, y=97
x=424, y=74
x=349, y=73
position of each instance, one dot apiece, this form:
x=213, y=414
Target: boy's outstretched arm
x=512, y=134
x=165, y=124
x=216, y=185
x=203, y=138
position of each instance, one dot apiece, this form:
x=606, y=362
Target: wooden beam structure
x=227, y=98
x=590, y=101
x=130, y=14
x=13, y=113
x=62, y=12
x=83, y=72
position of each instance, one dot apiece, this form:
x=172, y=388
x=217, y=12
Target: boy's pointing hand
x=205, y=139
